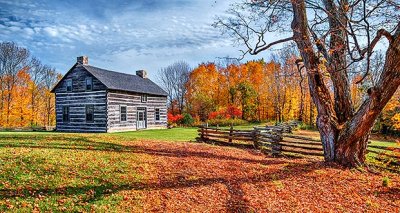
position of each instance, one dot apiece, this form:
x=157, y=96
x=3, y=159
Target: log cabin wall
x=116, y=99
x=78, y=99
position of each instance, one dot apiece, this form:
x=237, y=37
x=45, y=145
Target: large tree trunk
x=353, y=139
x=344, y=135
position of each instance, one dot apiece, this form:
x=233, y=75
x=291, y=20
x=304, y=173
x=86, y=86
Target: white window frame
x=120, y=113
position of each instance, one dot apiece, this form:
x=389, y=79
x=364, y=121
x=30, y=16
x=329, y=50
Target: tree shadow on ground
x=89, y=145
x=235, y=202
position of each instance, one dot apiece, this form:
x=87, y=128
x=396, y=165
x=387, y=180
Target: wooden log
x=302, y=147
x=384, y=148
x=303, y=143
x=202, y=134
x=228, y=137
x=227, y=130
x=302, y=152
x=269, y=140
x=383, y=153
x=300, y=137
x=222, y=134
x=230, y=134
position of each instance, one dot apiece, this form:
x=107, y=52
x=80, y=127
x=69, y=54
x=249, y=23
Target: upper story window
x=69, y=85
x=144, y=98
x=65, y=114
x=123, y=113
x=89, y=113
x=89, y=83
x=157, y=116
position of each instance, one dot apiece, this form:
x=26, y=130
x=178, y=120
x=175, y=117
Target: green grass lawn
x=175, y=134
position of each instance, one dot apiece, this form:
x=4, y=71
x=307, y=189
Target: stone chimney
x=141, y=73
x=84, y=60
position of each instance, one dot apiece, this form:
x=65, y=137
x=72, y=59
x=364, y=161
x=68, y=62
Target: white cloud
x=51, y=31
x=135, y=35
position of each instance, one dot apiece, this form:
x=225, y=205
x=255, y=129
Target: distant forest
x=222, y=92
x=25, y=85
x=230, y=92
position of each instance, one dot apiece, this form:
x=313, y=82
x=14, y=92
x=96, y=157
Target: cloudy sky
x=117, y=35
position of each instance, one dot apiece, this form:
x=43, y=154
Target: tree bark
x=353, y=139
x=344, y=136
x=337, y=61
x=326, y=120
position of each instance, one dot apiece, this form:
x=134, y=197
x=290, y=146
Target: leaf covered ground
x=84, y=172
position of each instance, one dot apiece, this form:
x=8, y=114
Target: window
x=123, y=113
x=69, y=85
x=65, y=113
x=89, y=84
x=89, y=113
x=157, y=114
x=144, y=98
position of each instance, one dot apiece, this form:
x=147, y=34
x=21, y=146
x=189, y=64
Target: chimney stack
x=84, y=60
x=141, y=73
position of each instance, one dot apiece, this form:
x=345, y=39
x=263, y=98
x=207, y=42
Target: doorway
x=141, y=118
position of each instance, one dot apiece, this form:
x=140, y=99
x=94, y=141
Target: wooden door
x=141, y=119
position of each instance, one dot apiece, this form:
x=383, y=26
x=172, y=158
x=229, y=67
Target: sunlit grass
x=65, y=172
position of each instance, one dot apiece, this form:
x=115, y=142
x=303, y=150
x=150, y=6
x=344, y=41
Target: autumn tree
x=173, y=79
x=330, y=36
x=37, y=74
x=13, y=59
x=203, y=90
x=25, y=85
x=50, y=79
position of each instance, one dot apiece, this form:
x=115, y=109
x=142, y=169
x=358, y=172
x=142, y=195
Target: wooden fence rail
x=277, y=140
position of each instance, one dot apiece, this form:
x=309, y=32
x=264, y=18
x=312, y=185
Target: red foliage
x=229, y=112
x=174, y=118
x=234, y=112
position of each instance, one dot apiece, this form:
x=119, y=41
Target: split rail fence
x=278, y=140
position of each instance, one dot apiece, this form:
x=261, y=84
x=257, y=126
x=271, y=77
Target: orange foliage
x=16, y=102
x=258, y=90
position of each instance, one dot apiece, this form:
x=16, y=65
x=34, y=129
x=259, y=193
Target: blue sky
x=118, y=35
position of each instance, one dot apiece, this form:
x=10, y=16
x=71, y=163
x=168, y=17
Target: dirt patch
x=189, y=177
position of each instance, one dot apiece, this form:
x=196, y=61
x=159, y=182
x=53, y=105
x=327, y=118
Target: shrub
x=187, y=120
x=226, y=122
x=174, y=119
x=227, y=113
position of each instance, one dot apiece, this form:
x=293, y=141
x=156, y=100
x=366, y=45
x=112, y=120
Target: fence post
x=277, y=147
x=255, y=138
x=230, y=134
x=202, y=134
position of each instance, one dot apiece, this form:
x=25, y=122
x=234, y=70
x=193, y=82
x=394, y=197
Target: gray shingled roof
x=125, y=82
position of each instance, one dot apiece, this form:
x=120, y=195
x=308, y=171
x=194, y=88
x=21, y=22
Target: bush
x=173, y=120
x=226, y=122
x=231, y=112
x=187, y=120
